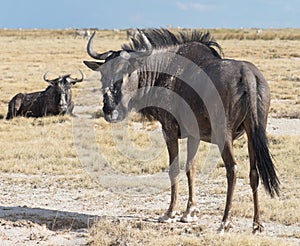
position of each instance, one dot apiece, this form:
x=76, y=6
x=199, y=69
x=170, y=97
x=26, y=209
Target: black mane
x=161, y=38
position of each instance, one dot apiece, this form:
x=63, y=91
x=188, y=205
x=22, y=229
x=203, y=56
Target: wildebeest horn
x=93, y=53
x=146, y=40
x=45, y=78
x=78, y=80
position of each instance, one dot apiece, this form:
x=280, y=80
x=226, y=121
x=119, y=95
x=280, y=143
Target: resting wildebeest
x=183, y=82
x=55, y=100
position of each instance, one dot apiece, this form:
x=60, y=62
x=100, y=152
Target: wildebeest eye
x=117, y=86
x=105, y=90
x=105, y=99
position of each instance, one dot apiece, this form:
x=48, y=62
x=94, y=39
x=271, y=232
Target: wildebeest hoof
x=168, y=217
x=225, y=227
x=190, y=215
x=188, y=218
x=257, y=227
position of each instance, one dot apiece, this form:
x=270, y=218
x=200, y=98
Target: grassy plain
x=47, y=146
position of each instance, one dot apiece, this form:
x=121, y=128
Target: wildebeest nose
x=114, y=115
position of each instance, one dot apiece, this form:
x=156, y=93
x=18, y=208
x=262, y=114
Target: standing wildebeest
x=56, y=99
x=138, y=75
x=84, y=33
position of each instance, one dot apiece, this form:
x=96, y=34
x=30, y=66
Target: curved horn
x=78, y=80
x=93, y=53
x=145, y=39
x=45, y=77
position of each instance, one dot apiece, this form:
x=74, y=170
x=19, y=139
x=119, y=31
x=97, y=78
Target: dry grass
x=251, y=34
x=46, y=146
x=138, y=232
x=39, y=146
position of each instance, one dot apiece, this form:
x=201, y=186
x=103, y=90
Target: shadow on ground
x=53, y=219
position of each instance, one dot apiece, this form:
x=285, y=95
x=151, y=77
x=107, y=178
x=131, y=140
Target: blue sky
x=108, y=14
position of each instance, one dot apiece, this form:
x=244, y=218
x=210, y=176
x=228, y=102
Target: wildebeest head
x=61, y=90
x=116, y=69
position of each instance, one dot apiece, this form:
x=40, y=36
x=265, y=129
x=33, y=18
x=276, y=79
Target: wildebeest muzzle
x=113, y=110
x=63, y=103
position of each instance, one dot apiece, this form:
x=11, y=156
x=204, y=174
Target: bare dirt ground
x=49, y=212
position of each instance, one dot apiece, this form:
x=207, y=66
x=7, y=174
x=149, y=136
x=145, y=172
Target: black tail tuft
x=265, y=164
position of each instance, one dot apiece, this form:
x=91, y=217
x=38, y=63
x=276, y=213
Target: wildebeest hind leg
x=14, y=106
x=254, y=180
x=191, y=210
x=231, y=168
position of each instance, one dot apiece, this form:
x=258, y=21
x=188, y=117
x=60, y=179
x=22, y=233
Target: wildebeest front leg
x=171, y=138
x=70, y=109
x=192, y=148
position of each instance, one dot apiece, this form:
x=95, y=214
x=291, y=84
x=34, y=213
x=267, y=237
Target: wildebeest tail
x=264, y=161
x=257, y=112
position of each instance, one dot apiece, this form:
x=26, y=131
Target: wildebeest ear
x=93, y=65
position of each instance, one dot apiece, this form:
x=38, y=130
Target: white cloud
x=185, y=6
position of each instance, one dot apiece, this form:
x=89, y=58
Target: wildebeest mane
x=161, y=38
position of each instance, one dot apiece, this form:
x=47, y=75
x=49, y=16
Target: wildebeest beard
x=111, y=102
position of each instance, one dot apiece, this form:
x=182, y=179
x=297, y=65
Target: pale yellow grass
x=41, y=147
x=37, y=146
